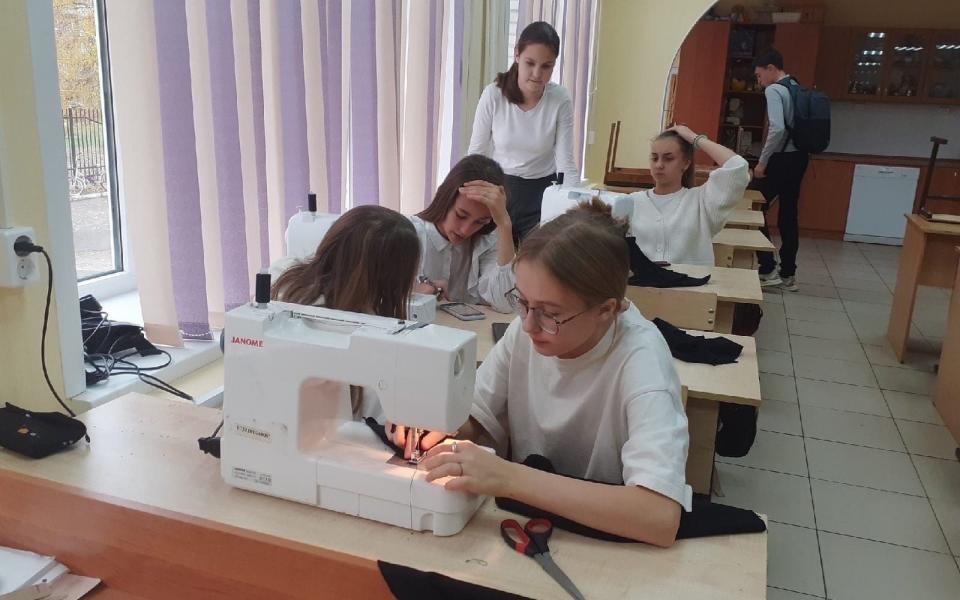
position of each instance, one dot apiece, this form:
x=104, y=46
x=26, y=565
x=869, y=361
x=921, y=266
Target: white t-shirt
x=613, y=414
x=531, y=144
x=679, y=227
x=486, y=282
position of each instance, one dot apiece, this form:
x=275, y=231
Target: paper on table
x=21, y=568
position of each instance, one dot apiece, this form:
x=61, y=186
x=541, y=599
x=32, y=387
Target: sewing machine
x=288, y=426
x=305, y=231
x=558, y=199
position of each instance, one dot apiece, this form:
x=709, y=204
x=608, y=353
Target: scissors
x=531, y=540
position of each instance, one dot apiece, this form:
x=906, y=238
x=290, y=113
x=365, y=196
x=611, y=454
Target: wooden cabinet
x=700, y=78
x=865, y=60
x=831, y=72
x=942, y=81
x=799, y=43
x=945, y=182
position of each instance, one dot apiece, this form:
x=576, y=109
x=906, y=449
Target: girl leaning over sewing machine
x=467, y=237
x=583, y=379
x=366, y=263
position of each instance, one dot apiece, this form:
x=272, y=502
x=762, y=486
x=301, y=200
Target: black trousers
x=782, y=182
x=524, y=198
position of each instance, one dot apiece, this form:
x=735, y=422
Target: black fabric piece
x=524, y=201
x=380, y=430
x=737, y=429
x=707, y=519
x=746, y=319
x=498, y=330
x=647, y=273
x=38, y=434
x=410, y=584
x=696, y=348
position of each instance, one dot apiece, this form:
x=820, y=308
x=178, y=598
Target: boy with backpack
x=798, y=124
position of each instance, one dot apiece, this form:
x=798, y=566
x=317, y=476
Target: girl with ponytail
x=525, y=123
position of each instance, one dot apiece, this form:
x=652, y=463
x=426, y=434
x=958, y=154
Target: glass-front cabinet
x=942, y=83
x=866, y=73
x=906, y=59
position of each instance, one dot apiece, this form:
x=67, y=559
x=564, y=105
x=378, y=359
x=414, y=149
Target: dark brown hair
x=584, y=250
x=366, y=263
x=470, y=168
x=538, y=32
x=689, y=178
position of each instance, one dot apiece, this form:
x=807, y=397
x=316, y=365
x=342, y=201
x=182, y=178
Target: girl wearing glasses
x=584, y=380
x=466, y=237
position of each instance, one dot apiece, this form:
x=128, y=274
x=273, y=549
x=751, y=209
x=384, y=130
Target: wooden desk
x=742, y=218
x=732, y=287
x=928, y=258
x=752, y=199
x=706, y=385
x=145, y=511
x=745, y=242
x=947, y=394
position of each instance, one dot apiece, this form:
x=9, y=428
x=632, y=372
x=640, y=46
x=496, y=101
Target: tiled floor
x=852, y=464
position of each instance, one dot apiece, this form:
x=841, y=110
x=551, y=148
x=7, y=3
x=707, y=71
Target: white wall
x=893, y=130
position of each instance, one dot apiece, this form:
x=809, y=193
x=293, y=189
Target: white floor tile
x=857, y=465
x=771, y=296
x=783, y=498
x=905, y=380
x=840, y=350
x=940, y=477
x=818, y=291
x=774, y=452
x=793, y=561
x=883, y=297
x=878, y=311
x=807, y=275
x=780, y=417
x=948, y=514
x=779, y=363
x=912, y=407
x=863, y=570
x=778, y=387
x=816, y=315
x=800, y=299
x=840, y=396
x=927, y=440
x=873, y=284
x=850, y=428
x=774, y=312
x=841, y=330
x=778, y=594
x=877, y=515
x=837, y=371
x=768, y=339
x=918, y=357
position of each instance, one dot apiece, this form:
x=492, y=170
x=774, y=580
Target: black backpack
x=810, y=130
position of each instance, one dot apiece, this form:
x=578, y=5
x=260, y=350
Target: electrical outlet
x=16, y=271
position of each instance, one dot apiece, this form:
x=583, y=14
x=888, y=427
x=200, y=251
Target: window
x=80, y=29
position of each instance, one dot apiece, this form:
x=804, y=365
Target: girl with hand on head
x=525, y=122
x=466, y=237
x=675, y=221
x=582, y=378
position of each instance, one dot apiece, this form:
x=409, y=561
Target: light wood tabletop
x=743, y=239
x=738, y=286
x=745, y=218
x=143, y=470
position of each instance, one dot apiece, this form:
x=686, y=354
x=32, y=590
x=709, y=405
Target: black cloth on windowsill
x=407, y=583
x=697, y=348
x=647, y=273
x=706, y=519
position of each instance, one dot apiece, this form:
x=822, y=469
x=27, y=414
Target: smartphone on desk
x=462, y=311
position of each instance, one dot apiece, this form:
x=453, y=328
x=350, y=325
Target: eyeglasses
x=545, y=322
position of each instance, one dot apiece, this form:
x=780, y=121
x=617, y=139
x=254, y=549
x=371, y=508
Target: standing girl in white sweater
x=675, y=222
x=525, y=123
x=582, y=379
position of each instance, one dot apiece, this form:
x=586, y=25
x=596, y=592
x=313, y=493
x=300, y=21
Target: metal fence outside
x=86, y=152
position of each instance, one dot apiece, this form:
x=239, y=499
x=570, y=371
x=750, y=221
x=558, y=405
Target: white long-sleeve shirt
x=613, y=414
x=529, y=144
x=779, y=115
x=679, y=227
x=486, y=282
